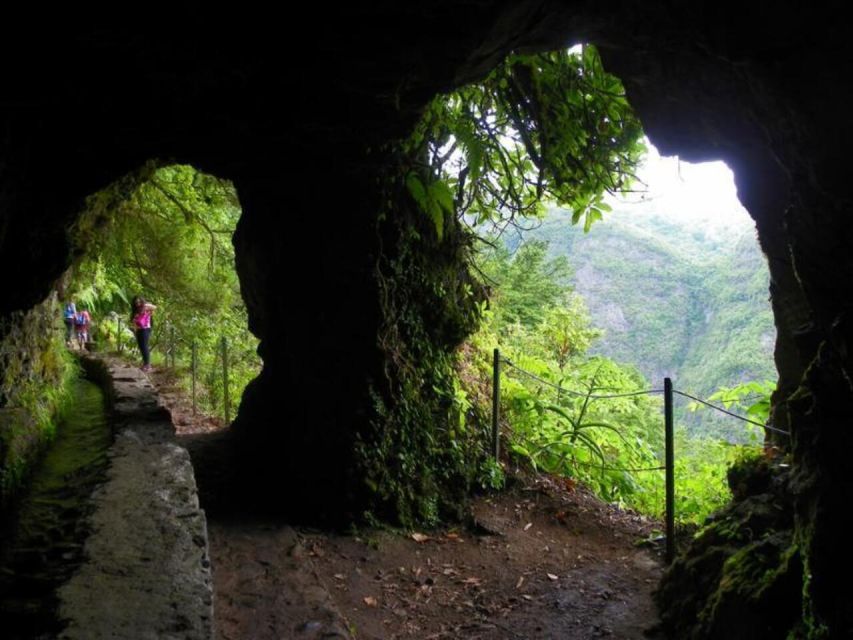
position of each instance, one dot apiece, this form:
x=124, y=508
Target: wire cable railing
x=643, y=392
x=668, y=391
x=579, y=394
x=628, y=469
x=730, y=413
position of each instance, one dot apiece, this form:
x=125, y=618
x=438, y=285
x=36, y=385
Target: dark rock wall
x=32, y=376
x=298, y=115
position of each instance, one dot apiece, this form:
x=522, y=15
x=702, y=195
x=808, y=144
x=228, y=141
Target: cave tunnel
x=303, y=131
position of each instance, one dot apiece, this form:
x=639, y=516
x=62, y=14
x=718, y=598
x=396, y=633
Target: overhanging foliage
x=547, y=127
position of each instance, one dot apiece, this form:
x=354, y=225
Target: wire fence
x=668, y=391
x=730, y=413
x=579, y=394
x=167, y=341
x=209, y=363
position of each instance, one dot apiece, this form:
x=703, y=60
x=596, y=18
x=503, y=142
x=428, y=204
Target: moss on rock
x=421, y=454
x=741, y=576
x=35, y=369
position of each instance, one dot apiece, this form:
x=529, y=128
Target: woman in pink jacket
x=140, y=318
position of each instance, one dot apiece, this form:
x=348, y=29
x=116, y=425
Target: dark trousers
x=142, y=336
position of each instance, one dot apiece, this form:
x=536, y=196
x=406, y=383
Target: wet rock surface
x=147, y=572
x=41, y=541
x=741, y=576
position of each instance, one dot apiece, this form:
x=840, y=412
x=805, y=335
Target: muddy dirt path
x=544, y=559
x=541, y=561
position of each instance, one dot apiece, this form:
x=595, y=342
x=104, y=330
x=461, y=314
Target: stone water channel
x=41, y=541
x=109, y=541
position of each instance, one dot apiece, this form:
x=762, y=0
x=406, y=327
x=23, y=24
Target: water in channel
x=41, y=538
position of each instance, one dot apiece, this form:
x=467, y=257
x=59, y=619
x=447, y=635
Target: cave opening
x=672, y=281
x=163, y=233
x=740, y=280
x=667, y=259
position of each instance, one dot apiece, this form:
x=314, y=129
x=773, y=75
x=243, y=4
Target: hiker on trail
x=69, y=314
x=140, y=317
x=82, y=320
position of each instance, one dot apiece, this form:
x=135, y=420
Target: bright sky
x=703, y=193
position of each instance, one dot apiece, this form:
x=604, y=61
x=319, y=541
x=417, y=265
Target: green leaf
x=437, y=217
x=591, y=216
x=443, y=195
x=416, y=189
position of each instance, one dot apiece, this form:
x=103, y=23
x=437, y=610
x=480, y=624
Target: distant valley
x=678, y=297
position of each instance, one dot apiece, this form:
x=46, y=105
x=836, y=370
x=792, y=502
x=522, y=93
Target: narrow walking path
x=146, y=572
x=542, y=560
x=545, y=559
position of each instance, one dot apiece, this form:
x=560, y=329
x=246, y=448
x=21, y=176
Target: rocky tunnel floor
x=545, y=559
x=540, y=561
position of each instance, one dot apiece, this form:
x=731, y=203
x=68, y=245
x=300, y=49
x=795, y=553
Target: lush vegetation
x=674, y=300
x=553, y=420
x=164, y=233
x=556, y=128
x=549, y=127
x=545, y=126
x=36, y=376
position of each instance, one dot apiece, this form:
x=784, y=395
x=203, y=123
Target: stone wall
x=146, y=572
x=33, y=371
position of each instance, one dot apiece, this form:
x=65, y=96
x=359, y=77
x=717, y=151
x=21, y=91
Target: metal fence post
x=496, y=401
x=670, y=471
x=195, y=370
x=225, y=398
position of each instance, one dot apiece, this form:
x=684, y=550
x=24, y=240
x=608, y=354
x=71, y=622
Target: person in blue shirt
x=69, y=314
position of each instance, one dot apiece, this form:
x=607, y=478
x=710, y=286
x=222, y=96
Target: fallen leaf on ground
x=339, y=576
x=520, y=582
x=420, y=537
x=370, y=601
x=528, y=525
x=551, y=576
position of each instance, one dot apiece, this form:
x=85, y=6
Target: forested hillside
x=675, y=297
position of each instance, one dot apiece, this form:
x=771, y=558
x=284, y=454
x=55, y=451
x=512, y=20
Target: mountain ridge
x=673, y=300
